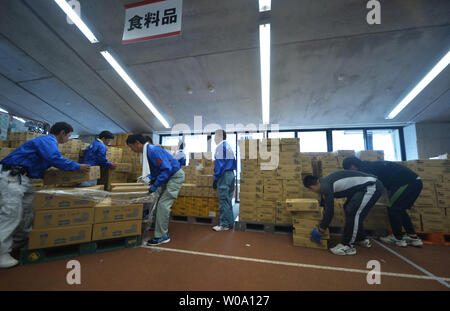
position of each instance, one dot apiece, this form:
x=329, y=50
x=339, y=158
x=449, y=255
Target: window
x=170, y=140
x=348, y=140
x=315, y=141
x=386, y=140
x=281, y=134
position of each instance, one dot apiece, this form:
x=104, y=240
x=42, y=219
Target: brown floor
x=150, y=269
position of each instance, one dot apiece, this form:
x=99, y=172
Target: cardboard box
x=298, y=217
x=306, y=242
x=44, y=238
x=58, y=201
x=123, y=167
x=110, y=230
x=302, y=205
x=57, y=177
x=291, y=148
x=306, y=232
x=62, y=218
x=117, y=213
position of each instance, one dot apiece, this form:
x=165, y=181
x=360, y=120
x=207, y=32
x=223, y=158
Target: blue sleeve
x=217, y=169
x=51, y=154
x=182, y=162
x=157, y=159
x=101, y=156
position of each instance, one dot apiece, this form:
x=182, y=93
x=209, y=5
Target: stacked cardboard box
x=112, y=220
x=306, y=215
x=54, y=176
x=135, y=159
x=197, y=197
x=61, y=220
x=432, y=206
x=272, y=177
x=120, y=139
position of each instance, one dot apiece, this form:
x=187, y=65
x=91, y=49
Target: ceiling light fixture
x=211, y=88
x=264, y=5
x=112, y=61
x=264, y=49
x=77, y=20
x=19, y=119
x=441, y=65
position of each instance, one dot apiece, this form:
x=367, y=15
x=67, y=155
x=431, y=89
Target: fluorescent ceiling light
x=3, y=110
x=77, y=20
x=421, y=85
x=264, y=5
x=111, y=60
x=264, y=49
x=19, y=119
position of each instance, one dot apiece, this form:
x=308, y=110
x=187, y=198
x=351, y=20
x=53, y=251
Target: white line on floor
x=294, y=264
x=431, y=275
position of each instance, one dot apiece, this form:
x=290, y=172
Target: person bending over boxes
x=403, y=187
x=362, y=192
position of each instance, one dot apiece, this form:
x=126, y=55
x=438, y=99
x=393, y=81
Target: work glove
x=152, y=189
x=215, y=184
x=316, y=235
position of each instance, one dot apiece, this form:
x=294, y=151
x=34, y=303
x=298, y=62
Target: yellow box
x=306, y=242
x=302, y=205
x=306, y=232
x=112, y=230
x=44, y=238
x=59, y=201
x=57, y=177
x=123, y=167
x=63, y=218
x=117, y=213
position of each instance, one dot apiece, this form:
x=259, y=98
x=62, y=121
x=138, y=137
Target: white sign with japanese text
x=152, y=19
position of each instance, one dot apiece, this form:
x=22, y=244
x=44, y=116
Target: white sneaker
x=391, y=239
x=365, y=243
x=343, y=250
x=412, y=241
x=7, y=261
x=220, y=228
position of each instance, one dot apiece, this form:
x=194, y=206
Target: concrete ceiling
x=329, y=67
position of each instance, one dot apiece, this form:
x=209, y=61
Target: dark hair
x=348, y=162
x=132, y=139
x=181, y=146
x=106, y=134
x=310, y=180
x=224, y=134
x=61, y=126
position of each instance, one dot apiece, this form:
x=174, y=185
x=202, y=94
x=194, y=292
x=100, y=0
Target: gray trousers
x=16, y=210
x=169, y=193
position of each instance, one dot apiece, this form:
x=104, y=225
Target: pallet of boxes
x=71, y=221
x=271, y=172
x=197, y=198
x=432, y=207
